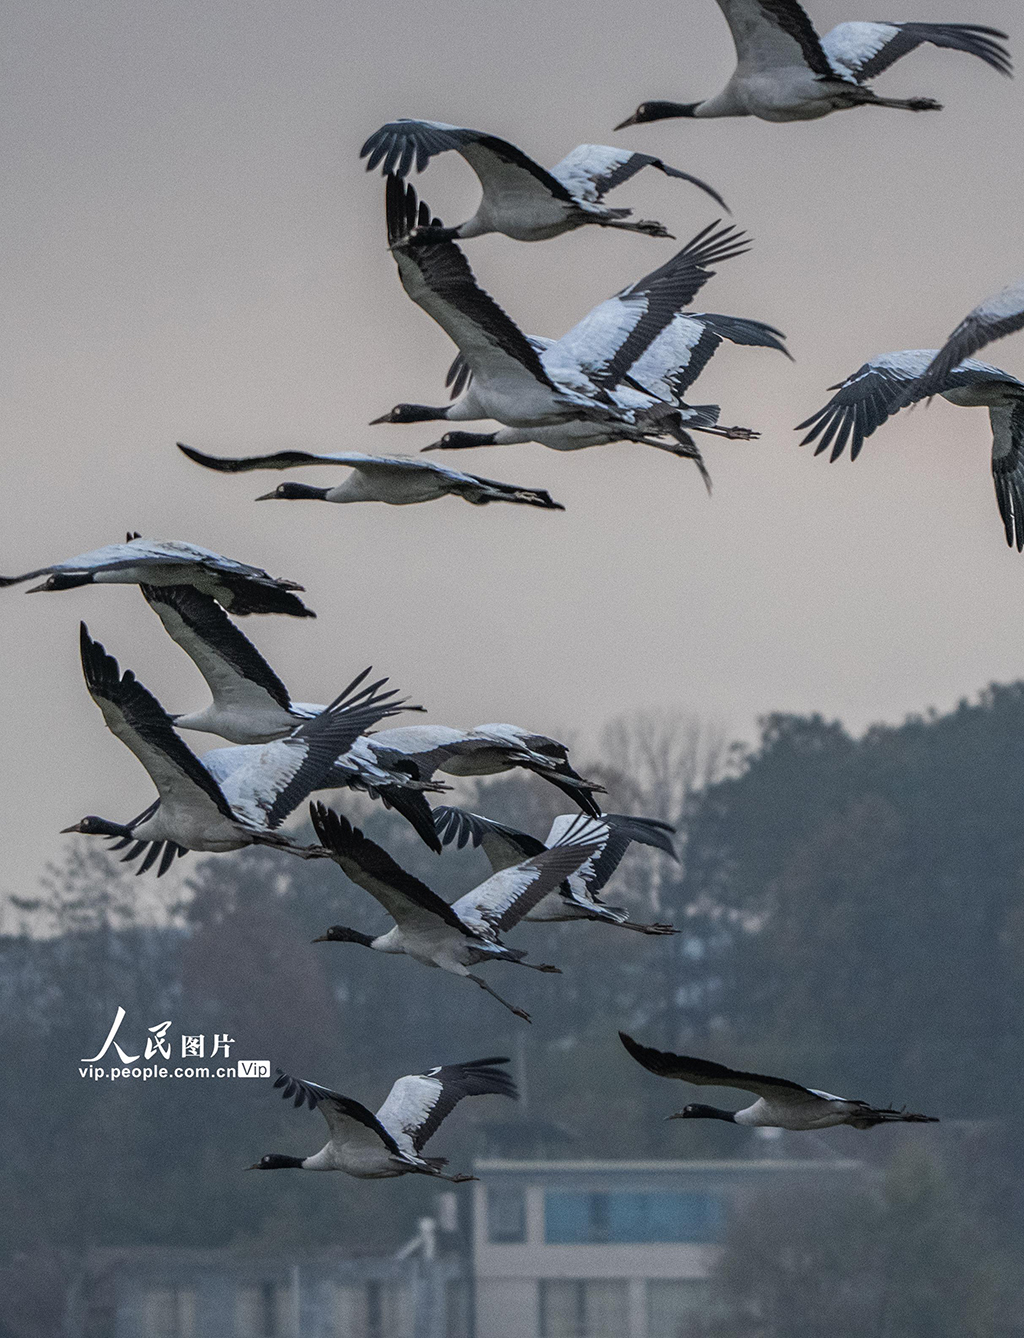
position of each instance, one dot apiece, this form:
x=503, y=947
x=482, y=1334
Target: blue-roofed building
x=610, y=1249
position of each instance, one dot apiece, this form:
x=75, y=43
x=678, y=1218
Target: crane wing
x=1008, y=470
x=995, y=318
x=771, y=35
x=235, y=672
x=278, y=776
x=590, y=171
x=287, y=459
x=438, y=278
x=503, y=899
x=864, y=50
x=417, y=1104
x=348, y=1121
x=408, y=901
x=134, y=715
x=622, y=831
x=705, y=1073
x=418, y=749
x=611, y=337
x=503, y=846
x=876, y=391
x=501, y=167
x=676, y=357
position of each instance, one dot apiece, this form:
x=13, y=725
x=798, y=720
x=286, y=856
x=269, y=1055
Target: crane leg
x=906, y=104
x=519, y=1012
x=647, y=929
x=648, y=226
x=730, y=433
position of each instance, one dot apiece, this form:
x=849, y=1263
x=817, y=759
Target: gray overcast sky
x=193, y=251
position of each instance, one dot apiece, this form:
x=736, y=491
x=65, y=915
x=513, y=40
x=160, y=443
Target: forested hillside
x=851, y=915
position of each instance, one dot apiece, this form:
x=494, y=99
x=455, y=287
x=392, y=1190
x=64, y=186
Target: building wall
x=507, y=1307
x=645, y=1239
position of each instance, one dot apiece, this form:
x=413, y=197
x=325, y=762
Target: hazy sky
x=193, y=251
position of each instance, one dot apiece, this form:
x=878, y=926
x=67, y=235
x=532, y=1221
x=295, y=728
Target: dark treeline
x=851, y=916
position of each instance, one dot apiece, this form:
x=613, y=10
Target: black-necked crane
x=786, y=72
x=865, y=400
x=487, y=750
x=240, y=588
x=462, y=935
x=586, y=388
x=250, y=705
x=398, y=480
x=642, y=349
x=197, y=810
x=994, y=319
x=520, y=198
x=577, y=897
x=780, y=1104
x=390, y=1143
x=510, y=382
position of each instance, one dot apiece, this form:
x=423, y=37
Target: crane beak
x=630, y=120
x=384, y=418
x=76, y=828
x=254, y=1167
x=266, y=497
x=35, y=589
x=677, y=1116
x=322, y=939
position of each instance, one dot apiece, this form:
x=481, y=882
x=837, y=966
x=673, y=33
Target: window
x=264, y=1311
x=506, y=1215
x=342, y=1305
x=583, y=1308
x=383, y=1311
x=572, y=1218
x=170, y=1312
x=365, y=1310
x=456, y=1309
x=677, y=1309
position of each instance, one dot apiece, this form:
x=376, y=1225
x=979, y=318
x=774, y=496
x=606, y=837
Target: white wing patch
x=408, y=1107
x=662, y=367
x=593, y=342
x=252, y=783
x=581, y=170
x=484, y=908
x=849, y=46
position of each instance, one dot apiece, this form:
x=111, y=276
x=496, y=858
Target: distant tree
x=247, y=965
x=854, y=882
x=894, y=1260
x=34, y=1285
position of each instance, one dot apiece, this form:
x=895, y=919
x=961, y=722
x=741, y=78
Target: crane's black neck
x=293, y=492
x=94, y=826
x=462, y=441
x=664, y=111
x=418, y=413
x=68, y=580
x=342, y=934
x=698, y=1112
